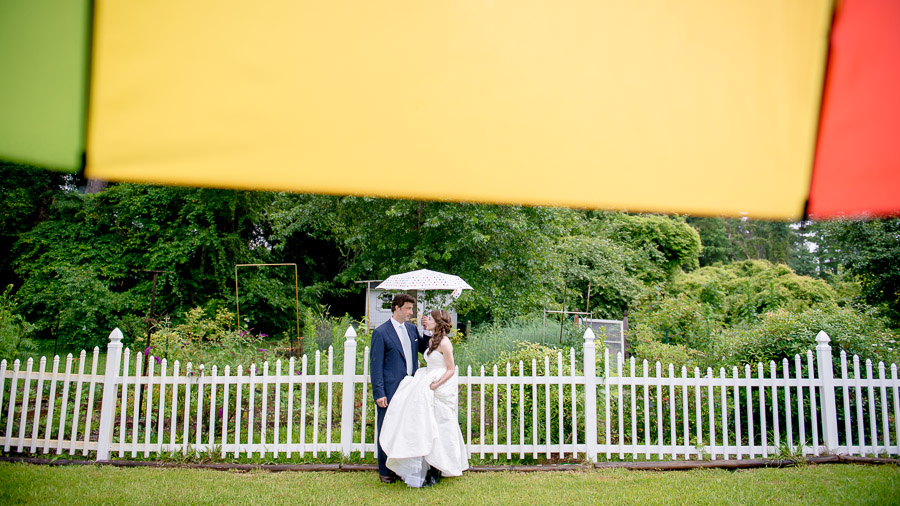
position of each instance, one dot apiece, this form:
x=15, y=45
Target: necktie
x=407, y=349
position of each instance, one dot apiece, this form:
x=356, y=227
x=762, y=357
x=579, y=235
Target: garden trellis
x=573, y=405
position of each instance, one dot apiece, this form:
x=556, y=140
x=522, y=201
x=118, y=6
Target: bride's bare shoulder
x=446, y=346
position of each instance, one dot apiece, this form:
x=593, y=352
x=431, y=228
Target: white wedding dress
x=421, y=426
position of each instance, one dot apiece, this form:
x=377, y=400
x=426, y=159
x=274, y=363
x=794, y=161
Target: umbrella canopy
x=424, y=279
x=689, y=106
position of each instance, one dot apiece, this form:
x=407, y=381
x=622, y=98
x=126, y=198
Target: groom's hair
x=400, y=299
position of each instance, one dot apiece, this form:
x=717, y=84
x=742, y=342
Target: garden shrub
x=783, y=333
x=203, y=340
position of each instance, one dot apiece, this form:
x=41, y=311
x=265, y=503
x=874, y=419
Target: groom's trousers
x=382, y=458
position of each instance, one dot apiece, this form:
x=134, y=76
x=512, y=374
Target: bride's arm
x=447, y=350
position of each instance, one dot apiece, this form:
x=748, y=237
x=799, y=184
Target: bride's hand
x=433, y=386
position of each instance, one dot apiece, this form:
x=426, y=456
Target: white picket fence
x=633, y=411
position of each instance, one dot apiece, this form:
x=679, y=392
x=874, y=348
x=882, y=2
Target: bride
x=420, y=434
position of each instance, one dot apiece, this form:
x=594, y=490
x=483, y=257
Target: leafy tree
x=868, y=250
x=616, y=274
x=504, y=252
x=14, y=330
x=736, y=239
x=621, y=256
x=815, y=250
x=83, y=265
x=672, y=244
x=25, y=199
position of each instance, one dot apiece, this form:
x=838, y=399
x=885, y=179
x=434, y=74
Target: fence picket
x=559, y=369
x=38, y=398
x=620, y=401
x=212, y=407
x=495, y=427
x=659, y=412
x=521, y=408
x=226, y=387
x=773, y=373
x=185, y=434
x=51, y=401
x=149, y=408
x=63, y=409
x=303, y=377
x=469, y=409
x=634, y=439
x=896, y=408
x=787, y=404
x=2, y=391
x=534, y=407
x=277, y=418
x=813, y=410
x=574, y=404
x=873, y=434
x=606, y=420
x=547, y=427
x=764, y=434
x=26, y=390
x=265, y=408
x=801, y=419
x=749, y=392
x=725, y=451
x=845, y=379
x=330, y=399
x=699, y=414
x=481, y=413
x=251, y=403
x=76, y=404
x=508, y=412
x=672, y=416
x=885, y=430
x=88, y=421
x=160, y=417
x=238, y=410
x=646, y=378
x=710, y=395
x=138, y=361
x=684, y=412
x=738, y=442
x=315, y=420
x=173, y=418
x=199, y=425
x=290, y=408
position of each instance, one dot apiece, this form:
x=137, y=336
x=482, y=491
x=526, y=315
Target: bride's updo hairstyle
x=442, y=326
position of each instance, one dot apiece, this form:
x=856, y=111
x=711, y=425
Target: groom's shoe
x=387, y=479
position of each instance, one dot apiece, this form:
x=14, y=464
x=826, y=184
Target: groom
x=394, y=354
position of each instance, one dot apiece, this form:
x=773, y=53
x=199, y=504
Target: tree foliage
x=84, y=266
x=728, y=240
x=738, y=292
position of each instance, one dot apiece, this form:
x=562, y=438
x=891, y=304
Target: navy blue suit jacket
x=386, y=361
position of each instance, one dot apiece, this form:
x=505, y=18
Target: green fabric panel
x=43, y=88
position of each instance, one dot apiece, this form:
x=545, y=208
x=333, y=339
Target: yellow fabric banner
x=693, y=106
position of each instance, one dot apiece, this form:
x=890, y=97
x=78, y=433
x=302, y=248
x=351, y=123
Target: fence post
x=826, y=375
x=110, y=395
x=348, y=390
x=590, y=395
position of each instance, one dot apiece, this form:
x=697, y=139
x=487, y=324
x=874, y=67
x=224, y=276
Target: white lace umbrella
x=424, y=279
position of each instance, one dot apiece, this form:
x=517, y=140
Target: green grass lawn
x=806, y=485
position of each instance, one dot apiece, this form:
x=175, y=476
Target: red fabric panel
x=857, y=164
